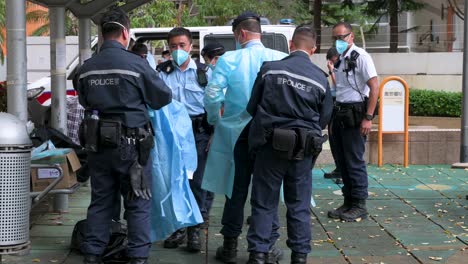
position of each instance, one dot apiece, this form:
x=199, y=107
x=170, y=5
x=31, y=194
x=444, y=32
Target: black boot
x=298, y=258
x=336, y=214
x=357, y=211
x=176, y=239
x=274, y=255
x=193, y=239
x=256, y=258
x=335, y=174
x=92, y=259
x=228, y=252
x=138, y=261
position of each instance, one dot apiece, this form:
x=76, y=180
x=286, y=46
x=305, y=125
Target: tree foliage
x=42, y=16
x=392, y=9
x=166, y=13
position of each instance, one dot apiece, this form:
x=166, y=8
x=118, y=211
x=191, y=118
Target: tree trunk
x=317, y=13
x=393, y=14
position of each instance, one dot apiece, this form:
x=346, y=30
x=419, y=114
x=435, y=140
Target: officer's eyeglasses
x=341, y=37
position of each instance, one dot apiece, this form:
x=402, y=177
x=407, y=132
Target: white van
x=273, y=36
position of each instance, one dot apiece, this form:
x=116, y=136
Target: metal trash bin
x=15, y=166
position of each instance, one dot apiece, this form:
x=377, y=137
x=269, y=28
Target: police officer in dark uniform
x=115, y=86
x=291, y=103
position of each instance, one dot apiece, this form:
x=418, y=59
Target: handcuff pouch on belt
x=349, y=115
x=110, y=133
x=284, y=143
x=295, y=144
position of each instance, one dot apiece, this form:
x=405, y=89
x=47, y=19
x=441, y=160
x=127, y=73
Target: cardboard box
x=42, y=177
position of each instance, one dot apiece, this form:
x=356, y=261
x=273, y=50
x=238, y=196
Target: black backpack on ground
x=116, y=250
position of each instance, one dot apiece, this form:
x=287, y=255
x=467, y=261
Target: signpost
x=393, y=113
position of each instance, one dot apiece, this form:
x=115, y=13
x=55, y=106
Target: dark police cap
x=212, y=48
x=244, y=16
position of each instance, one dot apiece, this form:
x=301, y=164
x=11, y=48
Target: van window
x=270, y=40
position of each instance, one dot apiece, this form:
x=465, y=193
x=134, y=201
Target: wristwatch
x=369, y=117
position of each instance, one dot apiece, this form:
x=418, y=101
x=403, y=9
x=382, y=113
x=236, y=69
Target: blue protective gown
x=174, y=157
x=236, y=71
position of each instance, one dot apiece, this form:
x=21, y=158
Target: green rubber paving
x=416, y=215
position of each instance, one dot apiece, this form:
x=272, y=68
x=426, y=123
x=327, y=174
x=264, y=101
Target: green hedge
x=435, y=103
x=3, y=97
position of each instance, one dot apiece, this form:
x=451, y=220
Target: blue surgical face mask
x=180, y=56
x=238, y=45
x=341, y=46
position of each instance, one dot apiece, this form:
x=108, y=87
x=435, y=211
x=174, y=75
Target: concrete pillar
x=17, y=76
x=84, y=36
x=58, y=68
x=58, y=71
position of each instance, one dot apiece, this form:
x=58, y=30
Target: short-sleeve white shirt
x=349, y=83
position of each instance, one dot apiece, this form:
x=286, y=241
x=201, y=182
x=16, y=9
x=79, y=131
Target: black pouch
x=90, y=134
x=208, y=128
x=284, y=142
x=110, y=133
x=314, y=144
x=300, y=148
x=346, y=117
x=145, y=144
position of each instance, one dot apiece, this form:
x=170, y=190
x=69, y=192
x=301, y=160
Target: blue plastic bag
x=47, y=149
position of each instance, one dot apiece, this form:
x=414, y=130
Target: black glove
x=138, y=182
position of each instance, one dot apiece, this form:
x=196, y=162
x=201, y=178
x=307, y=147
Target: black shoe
x=138, y=261
x=92, y=259
x=335, y=174
x=274, y=255
x=193, y=239
x=336, y=214
x=357, y=212
x=228, y=252
x=176, y=239
x=256, y=258
x=298, y=258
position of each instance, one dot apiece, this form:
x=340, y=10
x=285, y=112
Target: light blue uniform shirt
x=185, y=87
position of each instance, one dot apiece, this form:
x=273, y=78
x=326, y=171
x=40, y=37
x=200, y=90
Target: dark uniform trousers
x=269, y=172
x=233, y=213
x=349, y=146
x=204, y=198
x=109, y=173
